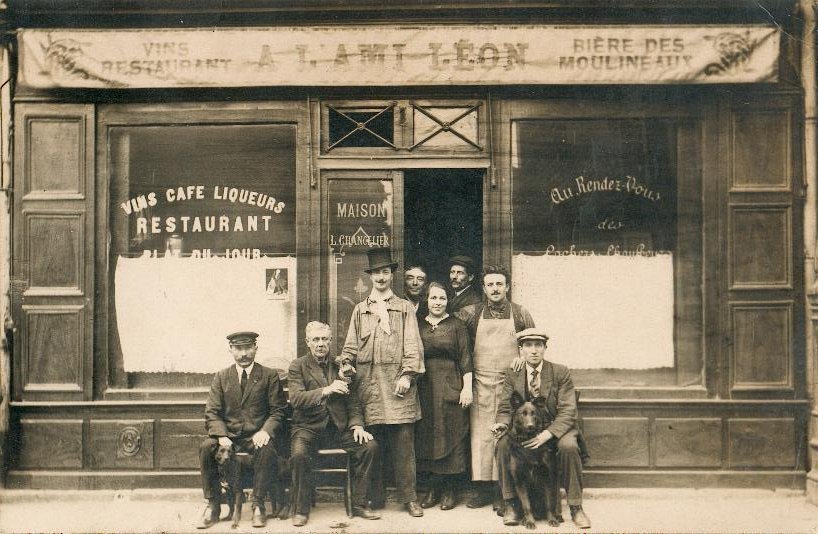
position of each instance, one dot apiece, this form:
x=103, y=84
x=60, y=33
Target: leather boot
x=210, y=516
x=447, y=497
x=431, y=497
x=578, y=515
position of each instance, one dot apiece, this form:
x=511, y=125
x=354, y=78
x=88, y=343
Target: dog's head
x=529, y=417
x=346, y=370
x=223, y=454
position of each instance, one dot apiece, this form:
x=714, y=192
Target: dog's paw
x=528, y=522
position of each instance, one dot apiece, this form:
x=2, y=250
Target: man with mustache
x=245, y=410
x=493, y=326
x=462, y=292
x=384, y=342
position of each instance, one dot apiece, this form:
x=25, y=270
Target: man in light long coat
x=384, y=342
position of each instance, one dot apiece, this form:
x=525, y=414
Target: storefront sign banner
x=385, y=56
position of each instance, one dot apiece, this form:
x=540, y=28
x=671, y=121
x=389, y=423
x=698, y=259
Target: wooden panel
x=53, y=348
x=620, y=442
x=50, y=444
x=761, y=150
x=55, y=248
x=762, y=345
x=688, y=442
x=760, y=247
x=762, y=443
x=179, y=442
x=121, y=444
x=55, y=168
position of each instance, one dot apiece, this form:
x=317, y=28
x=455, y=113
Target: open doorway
x=443, y=217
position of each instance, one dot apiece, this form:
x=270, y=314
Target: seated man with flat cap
x=245, y=409
x=326, y=413
x=541, y=378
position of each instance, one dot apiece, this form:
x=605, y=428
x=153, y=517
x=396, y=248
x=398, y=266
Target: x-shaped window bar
x=445, y=126
x=362, y=126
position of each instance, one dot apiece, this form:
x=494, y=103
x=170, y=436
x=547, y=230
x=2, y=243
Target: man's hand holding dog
x=360, y=435
x=224, y=441
x=261, y=438
x=338, y=386
x=538, y=441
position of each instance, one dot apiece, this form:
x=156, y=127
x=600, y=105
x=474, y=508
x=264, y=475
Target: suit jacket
x=468, y=297
x=311, y=410
x=557, y=388
x=229, y=413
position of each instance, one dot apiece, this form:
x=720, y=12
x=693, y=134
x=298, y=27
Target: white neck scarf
x=378, y=305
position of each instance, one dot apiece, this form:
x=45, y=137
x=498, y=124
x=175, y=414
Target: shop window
x=607, y=246
x=202, y=244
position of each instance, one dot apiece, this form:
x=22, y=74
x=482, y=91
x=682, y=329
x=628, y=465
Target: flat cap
x=242, y=338
x=465, y=261
x=531, y=333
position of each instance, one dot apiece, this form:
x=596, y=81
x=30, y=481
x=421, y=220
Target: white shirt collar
x=249, y=369
x=529, y=370
x=457, y=293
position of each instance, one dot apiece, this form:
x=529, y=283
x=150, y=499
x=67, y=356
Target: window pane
x=466, y=126
x=344, y=131
x=203, y=243
x=600, y=207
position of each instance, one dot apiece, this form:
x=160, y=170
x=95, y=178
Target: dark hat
x=380, y=258
x=531, y=333
x=242, y=338
x=465, y=261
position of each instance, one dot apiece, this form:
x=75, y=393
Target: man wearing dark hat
x=384, y=341
x=245, y=409
x=461, y=283
x=541, y=378
x=326, y=411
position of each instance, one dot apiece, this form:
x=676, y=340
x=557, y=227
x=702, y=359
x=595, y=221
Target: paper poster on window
x=173, y=313
x=600, y=312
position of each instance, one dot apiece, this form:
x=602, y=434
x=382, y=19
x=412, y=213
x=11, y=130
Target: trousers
x=569, y=462
x=304, y=446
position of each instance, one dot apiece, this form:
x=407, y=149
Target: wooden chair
x=346, y=471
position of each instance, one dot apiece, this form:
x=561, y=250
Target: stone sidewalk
x=610, y=510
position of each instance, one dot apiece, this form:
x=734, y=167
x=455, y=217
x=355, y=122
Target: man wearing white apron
x=493, y=325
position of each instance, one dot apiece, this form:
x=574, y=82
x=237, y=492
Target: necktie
x=324, y=368
x=534, y=385
x=243, y=380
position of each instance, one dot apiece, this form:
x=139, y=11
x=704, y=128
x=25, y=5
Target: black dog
x=232, y=467
x=533, y=471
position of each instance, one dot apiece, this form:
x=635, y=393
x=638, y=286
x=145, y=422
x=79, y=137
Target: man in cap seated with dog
x=245, y=409
x=552, y=381
x=327, y=412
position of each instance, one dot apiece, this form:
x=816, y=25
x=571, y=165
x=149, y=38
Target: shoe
x=578, y=516
x=511, y=517
x=430, y=499
x=259, y=516
x=377, y=504
x=210, y=516
x=447, y=499
x=414, y=509
x=479, y=499
x=299, y=520
x=365, y=512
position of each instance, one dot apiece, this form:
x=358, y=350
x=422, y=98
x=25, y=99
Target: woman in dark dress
x=445, y=392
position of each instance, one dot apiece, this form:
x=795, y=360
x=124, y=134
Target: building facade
x=177, y=172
